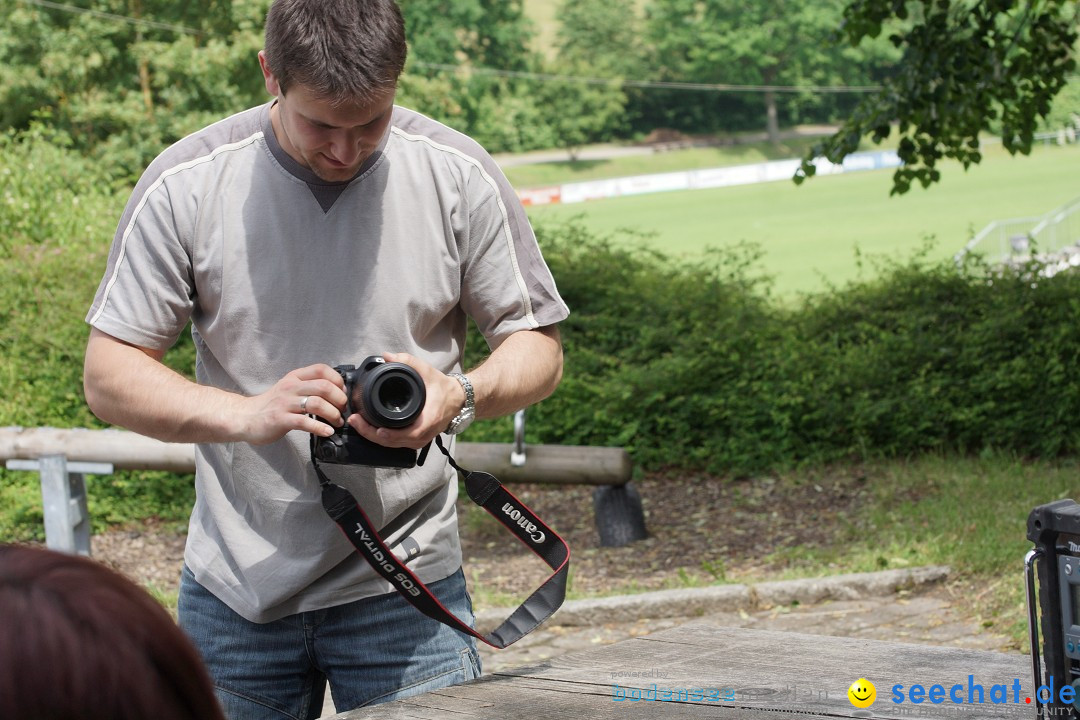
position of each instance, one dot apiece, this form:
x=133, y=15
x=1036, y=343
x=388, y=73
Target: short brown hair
x=80, y=641
x=344, y=50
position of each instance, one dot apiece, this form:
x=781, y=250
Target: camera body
x=1055, y=530
x=386, y=394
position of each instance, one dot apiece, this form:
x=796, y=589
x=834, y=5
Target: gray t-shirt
x=278, y=270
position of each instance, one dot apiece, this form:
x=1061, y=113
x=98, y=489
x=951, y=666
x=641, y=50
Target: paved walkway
x=905, y=606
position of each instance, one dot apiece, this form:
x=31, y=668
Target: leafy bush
x=970, y=361
x=57, y=218
x=692, y=365
x=56, y=223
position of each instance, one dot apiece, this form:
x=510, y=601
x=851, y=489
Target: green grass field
x=811, y=234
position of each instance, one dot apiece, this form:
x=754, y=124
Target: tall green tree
x=123, y=78
x=765, y=44
x=603, y=36
x=482, y=33
x=454, y=45
x=579, y=112
x=600, y=45
x=968, y=66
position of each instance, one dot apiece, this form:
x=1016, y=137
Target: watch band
x=467, y=414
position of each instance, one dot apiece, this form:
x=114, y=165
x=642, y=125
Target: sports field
x=810, y=234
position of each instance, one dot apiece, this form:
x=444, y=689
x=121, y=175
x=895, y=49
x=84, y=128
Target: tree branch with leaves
x=968, y=67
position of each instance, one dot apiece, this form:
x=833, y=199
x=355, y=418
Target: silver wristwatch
x=468, y=412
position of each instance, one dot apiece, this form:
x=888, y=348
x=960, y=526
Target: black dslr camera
x=386, y=394
x=1055, y=530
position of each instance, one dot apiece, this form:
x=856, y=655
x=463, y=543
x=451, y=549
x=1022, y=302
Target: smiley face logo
x=862, y=693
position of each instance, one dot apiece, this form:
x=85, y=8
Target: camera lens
x=395, y=394
x=391, y=395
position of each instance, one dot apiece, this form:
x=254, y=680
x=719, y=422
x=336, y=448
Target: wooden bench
x=65, y=456
x=700, y=671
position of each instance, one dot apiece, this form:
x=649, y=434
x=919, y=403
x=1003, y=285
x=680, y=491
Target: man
x=324, y=227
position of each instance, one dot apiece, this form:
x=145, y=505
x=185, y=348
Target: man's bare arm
x=523, y=370
x=128, y=385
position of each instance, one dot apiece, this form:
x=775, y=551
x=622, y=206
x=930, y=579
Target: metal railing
x=1053, y=237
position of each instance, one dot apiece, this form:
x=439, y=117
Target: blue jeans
x=371, y=651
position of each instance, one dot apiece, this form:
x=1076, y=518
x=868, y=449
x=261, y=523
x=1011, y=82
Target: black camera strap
x=487, y=492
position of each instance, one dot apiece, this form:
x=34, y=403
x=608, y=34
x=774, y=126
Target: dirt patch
x=151, y=554
x=701, y=529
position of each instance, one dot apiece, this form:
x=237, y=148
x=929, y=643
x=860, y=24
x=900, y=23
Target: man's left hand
x=445, y=398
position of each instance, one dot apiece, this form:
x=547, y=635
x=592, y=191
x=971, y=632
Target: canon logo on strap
x=534, y=533
x=486, y=491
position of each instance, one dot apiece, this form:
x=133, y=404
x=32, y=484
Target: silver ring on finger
x=303, y=403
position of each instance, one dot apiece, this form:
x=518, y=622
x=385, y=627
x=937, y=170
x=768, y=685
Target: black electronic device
x=386, y=394
x=1055, y=608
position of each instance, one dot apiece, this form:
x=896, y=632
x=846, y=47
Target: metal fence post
x=63, y=499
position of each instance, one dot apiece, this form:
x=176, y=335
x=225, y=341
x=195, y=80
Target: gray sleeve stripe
x=209, y=157
x=518, y=277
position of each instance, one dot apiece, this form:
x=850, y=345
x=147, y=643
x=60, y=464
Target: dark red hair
x=78, y=640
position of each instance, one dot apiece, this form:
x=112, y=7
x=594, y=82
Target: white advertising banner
x=701, y=179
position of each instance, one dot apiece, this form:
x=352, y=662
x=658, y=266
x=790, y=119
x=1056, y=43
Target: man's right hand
x=129, y=386
x=313, y=390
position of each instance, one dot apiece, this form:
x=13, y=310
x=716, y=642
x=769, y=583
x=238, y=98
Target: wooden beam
x=131, y=451
x=124, y=449
x=561, y=464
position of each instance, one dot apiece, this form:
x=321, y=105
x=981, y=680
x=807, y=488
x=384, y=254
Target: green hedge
x=929, y=358
x=57, y=218
x=693, y=365
x=689, y=365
